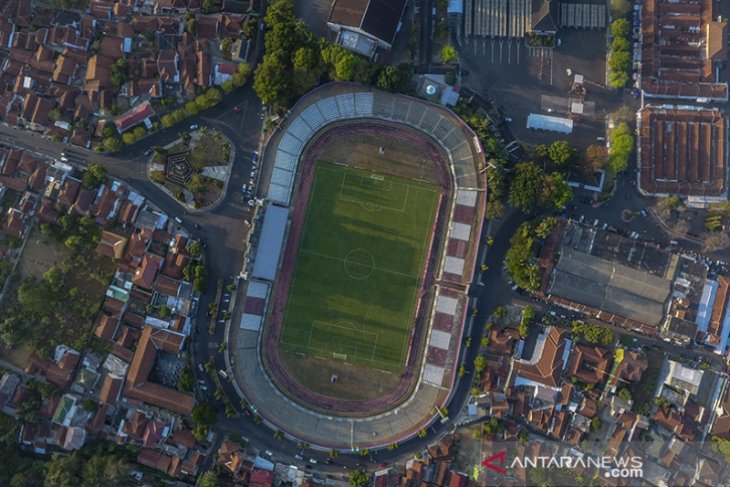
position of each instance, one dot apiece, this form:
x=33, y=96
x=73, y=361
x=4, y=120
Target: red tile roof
x=132, y=118
x=138, y=385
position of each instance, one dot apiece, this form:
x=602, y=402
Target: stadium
x=363, y=252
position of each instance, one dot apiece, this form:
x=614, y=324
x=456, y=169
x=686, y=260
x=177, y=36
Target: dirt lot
x=354, y=382
x=38, y=256
x=363, y=151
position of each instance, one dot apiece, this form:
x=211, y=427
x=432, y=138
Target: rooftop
x=683, y=151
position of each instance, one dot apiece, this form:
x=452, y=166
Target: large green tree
x=561, y=153
x=526, y=190
x=94, y=175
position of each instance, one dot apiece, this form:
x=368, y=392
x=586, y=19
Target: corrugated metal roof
x=270, y=243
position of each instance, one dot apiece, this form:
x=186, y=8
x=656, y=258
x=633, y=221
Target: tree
x=480, y=363
x=207, y=6
x=620, y=44
x=542, y=151
x=119, y=72
x=54, y=114
x=94, y=175
x=557, y=191
x=620, y=61
x=620, y=28
x=721, y=445
x=622, y=143
x=306, y=65
x=591, y=333
x=528, y=316
x=618, y=79
x=129, y=138
x=670, y=203
x=63, y=471
x=596, y=423
x=449, y=54
x=250, y=26
x=595, y=158
x=561, y=153
x=270, y=81
x=624, y=394
x=112, y=144
x=208, y=479
x=358, y=478
x=520, y=258
x=527, y=185
x=397, y=80
x=226, y=47
x=619, y=8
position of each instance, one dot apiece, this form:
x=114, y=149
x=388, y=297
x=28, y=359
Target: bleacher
x=433, y=120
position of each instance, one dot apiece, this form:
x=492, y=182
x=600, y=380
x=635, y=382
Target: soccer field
x=359, y=264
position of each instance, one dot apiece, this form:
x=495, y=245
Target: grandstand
x=432, y=120
x=329, y=112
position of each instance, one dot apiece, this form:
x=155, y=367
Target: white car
x=194, y=126
x=312, y=461
x=269, y=453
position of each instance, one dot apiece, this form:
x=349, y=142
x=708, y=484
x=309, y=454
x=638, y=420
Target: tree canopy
x=561, y=153
x=591, y=333
x=520, y=258
x=532, y=188
x=449, y=54
x=622, y=143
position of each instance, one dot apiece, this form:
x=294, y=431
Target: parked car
x=194, y=126
x=148, y=152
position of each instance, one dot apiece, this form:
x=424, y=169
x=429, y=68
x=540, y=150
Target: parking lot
x=516, y=76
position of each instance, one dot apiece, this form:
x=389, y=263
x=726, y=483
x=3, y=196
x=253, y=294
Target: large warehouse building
x=683, y=151
x=606, y=273
x=680, y=44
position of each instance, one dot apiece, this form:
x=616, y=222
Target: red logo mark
x=499, y=456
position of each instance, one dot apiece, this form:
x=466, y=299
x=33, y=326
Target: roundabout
x=397, y=368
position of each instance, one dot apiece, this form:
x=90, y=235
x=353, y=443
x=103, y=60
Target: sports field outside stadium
x=359, y=265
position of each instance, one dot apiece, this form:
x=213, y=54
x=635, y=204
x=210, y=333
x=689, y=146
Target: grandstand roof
x=270, y=243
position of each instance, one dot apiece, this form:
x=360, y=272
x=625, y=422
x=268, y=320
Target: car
x=299, y=457
x=178, y=220
x=255, y=156
x=253, y=174
x=312, y=461
x=237, y=109
x=148, y=152
x=244, y=188
x=644, y=213
x=200, y=368
x=194, y=126
x=251, y=202
x=223, y=373
x=197, y=226
x=269, y=453
x=64, y=158
x=595, y=222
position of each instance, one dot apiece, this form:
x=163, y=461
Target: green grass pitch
x=359, y=265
